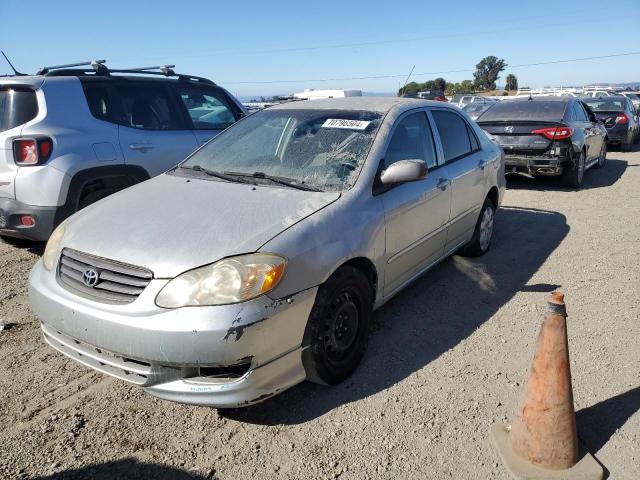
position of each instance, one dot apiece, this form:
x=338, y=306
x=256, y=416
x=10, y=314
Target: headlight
x=232, y=280
x=52, y=249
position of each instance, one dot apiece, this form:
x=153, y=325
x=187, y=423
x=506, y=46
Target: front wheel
x=481, y=240
x=338, y=327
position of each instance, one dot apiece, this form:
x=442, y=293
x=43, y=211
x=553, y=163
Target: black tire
x=88, y=198
x=573, y=172
x=602, y=159
x=478, y=246
x=625, y=146
x=338, y=327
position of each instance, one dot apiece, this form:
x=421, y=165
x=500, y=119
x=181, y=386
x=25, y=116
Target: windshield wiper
x=213, y=173
x=288, y=182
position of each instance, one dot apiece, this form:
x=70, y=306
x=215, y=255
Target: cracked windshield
x=314, y=149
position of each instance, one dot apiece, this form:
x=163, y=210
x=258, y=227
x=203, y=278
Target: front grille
x=116, y=282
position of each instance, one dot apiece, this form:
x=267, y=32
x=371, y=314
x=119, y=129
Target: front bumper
x=533, y=165
x=171, y=352
x=10, y=212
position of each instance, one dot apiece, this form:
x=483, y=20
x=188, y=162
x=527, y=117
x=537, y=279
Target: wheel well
x=493, y=196
x=367, y=267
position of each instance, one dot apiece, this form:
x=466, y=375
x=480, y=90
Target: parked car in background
x=634, y=97
x=619, y=117
x=436, y=95
x=475, y=109
x=467, y=99
x=257, y=263
x=71, y=136
x=599, y=93
x=552, y=136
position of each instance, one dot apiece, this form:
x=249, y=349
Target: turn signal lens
x=32, y=151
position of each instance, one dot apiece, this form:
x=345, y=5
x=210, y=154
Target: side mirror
x=404, y=171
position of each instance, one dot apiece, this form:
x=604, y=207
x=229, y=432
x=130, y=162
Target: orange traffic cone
x=542, y=443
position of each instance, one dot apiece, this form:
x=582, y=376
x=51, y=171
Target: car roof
x=540, y=98
x=368, y=103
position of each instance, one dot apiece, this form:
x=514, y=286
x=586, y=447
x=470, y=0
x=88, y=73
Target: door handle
x=482, y=164
x=443, y=183
x=141, y=146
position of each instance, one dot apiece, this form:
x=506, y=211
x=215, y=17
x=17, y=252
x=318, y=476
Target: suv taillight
x=555, y=133
x=622, y=118
x=32, y=151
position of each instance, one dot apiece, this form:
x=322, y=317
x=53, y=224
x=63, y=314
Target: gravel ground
x=446, y=360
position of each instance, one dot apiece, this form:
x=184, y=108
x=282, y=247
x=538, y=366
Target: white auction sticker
x=348, y=124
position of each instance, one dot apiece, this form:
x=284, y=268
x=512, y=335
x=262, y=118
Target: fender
x=134, y=173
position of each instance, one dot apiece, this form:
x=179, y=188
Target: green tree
x=488, y=71
x=511, y=82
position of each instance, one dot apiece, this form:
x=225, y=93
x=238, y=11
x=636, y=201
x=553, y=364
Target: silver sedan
x=257, y=262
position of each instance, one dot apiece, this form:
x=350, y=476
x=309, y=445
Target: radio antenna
x=17, y=73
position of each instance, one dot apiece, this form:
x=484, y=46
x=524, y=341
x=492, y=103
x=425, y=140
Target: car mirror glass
x=404, y=171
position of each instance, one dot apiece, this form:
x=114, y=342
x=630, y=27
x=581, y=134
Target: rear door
x=210, y=110
x=579, y=119
x=465, y=165
x=153, y=131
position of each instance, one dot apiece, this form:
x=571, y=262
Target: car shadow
x=596, y=424
x=29, y=245
x=125, y=469
x=593, y=178
x=431, y=316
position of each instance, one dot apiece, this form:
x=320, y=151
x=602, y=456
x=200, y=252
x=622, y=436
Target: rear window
x=17, y=107
x=524, y=110
x=603, y=104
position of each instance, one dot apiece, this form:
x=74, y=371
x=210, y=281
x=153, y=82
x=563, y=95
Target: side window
x=99, y=102
x=453, y=134
x=412, y=140
x=207, y=107
x=148, y=107
x=475, y=146
x=578, y=112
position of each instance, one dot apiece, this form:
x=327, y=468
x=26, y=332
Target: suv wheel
x=602, y=159
x=481, y=240
x=338, y=327
x=573, y=172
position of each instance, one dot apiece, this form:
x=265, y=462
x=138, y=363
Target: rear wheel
x=573, y=172
x=338, y=327
x=483, y=233
x=602, y=159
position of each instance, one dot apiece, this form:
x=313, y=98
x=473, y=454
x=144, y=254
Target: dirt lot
x=445, y=361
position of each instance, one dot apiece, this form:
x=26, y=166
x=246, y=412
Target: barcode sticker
x=348, y=124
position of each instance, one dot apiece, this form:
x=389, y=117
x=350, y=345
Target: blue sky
x=239, y=44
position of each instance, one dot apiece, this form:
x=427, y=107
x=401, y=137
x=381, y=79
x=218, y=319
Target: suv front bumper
x=10, y=212
x=170, y=352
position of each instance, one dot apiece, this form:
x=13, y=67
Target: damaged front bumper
x=220, y=356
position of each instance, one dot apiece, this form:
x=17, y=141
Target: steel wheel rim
x=486, y=228
x=341, y=327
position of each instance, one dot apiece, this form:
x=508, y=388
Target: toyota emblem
x=90, y=277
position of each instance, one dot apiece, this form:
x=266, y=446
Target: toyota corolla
x=257, y=262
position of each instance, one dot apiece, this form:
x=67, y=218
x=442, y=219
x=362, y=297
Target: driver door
x=416, y=213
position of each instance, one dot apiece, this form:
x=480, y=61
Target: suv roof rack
x=98, y=68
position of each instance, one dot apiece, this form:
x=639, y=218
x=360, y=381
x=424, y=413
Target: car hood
x=171, y=224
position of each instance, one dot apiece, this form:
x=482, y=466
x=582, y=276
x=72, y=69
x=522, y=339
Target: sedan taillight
x=32, y=151
x=622, y=118
x=554, y=133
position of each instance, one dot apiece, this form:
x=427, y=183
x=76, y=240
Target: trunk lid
x=516, y=137
x=608, y=117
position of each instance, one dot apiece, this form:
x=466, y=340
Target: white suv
x=71, y=136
